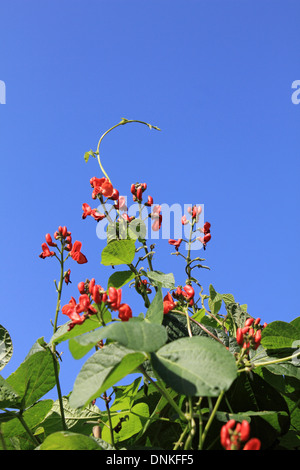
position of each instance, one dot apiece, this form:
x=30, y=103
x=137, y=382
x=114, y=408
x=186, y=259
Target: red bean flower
x=46, y=251
x=76, y=254
x=125, y=312
x=233, y=434
x=102, y=187
x=175, y=243
x=168, y=303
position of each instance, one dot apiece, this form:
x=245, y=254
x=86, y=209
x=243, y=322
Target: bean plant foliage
x=201, y=372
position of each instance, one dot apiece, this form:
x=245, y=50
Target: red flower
x=125, y=312
x=71, y=311
x=67, y=277
x=188, y=292
x=76, y=253
x=121, y=204
x=184, y=220
x=232, y=435
x=168, y=303
x=253, y=444
x=101, y=186
x=49, y=240
x=46, y=252
x=175, y=243
x=81, y=287
x=156, y=215
x=87, y=210
x=206, y=227
x=149, y=201
x=115, y=296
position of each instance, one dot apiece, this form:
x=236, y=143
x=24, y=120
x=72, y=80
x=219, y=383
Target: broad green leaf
x=289, y=368
x=118, y=252
x=125, y=395
x=6, y=347
x=102, y=370
x=90, y=324
x=155, y=312
x=279, y=334
x=215, y=300
x=195, y=366
x=237, y=314
x=76, y=420
x=228, y=298
x=120, y=278
x=135, y=334
x=160, y=279
x=33, y=416
x=34, y=378
x=130, y=423
x=137, y=229
x=8, y=396
x=66, y=440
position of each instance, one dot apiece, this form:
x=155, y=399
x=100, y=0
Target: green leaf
x=118, y=252
x=81, y=421
x=66, y=440
x=8, y=396
x=137, y=229
x=130, y=422
x=155, y=312
x=102, y=370
x=119, y=279
x=125, y=395
x=90, y=324
x=159, y=279
x=237, y=314
x=89, y=154
x=279, y=334
x=6, y=348
x=228, y=298
x=135, y=334
x=33, y=416
x=195, y=366
x=33, y=378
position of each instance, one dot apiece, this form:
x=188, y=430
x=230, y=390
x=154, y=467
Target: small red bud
x=81, y=287
x=245, y=430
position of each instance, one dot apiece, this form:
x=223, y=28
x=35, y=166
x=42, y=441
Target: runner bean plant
x=192, y=371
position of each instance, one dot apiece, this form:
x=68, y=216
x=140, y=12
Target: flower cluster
x=195, y=213
x=182, y=295
x=233, y=434
x=249, y=336
x=92, y=296
x=65, y=238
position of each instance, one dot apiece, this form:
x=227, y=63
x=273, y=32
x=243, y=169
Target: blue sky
x=215, y=76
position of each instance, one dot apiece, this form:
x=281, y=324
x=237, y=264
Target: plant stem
x=106, y=399
x=31, y=435
x=121, y=123
x=211, y=418
x=274, y=361
x=55, y=363
x=163, y=391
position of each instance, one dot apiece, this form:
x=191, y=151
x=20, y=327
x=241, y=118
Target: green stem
x=274, y=361
x=163, y=391
x=211, y=418
x=121, y=123
x=54, y=356
x=32, y=436
x=192, y=426
x=109, y=419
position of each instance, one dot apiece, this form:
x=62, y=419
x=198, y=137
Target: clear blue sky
x=215, y=76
